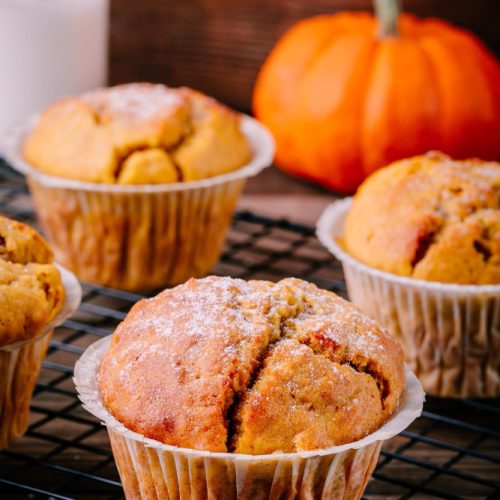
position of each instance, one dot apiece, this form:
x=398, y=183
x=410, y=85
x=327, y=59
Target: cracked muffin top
x=138, y=133
x=221, y=364
x=31, y=293
x=431, y=218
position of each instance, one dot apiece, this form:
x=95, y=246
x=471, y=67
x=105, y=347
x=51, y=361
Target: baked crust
x=93, y=137
x=21, y=244
x=429, y=217
x=221, y=364
x=31, y=293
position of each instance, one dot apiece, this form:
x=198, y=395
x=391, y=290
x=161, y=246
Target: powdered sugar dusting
x=193, y=317
x=233, y=314
x=139, y=101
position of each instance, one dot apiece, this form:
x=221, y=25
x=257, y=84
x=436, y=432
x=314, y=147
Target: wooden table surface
x=277, y=194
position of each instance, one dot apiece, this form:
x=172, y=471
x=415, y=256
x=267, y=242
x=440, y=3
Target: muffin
x=135, y=185
x=246, y=369
x=31, y=295
x=429, y=218
x=434, y=223
x=137, y=133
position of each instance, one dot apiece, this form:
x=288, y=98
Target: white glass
x=49, y=49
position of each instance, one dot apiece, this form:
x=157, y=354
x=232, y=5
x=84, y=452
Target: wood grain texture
x=218, y=46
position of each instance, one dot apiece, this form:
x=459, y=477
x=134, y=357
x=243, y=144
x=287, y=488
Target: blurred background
x=50, y=49
x=217, y=46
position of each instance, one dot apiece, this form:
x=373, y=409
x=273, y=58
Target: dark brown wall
x=217, y=46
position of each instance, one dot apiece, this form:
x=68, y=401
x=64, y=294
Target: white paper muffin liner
x=450, y=333
x=138, y=237
x=20, y=364
x=150, y=469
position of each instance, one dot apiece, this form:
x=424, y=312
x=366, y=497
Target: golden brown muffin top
x=429, y=217
x=221, y=364
x=31, y=293
x=138, y=133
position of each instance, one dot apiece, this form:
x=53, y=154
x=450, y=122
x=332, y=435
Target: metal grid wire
x=453, y=451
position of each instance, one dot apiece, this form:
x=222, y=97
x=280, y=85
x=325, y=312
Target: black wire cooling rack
x=452, y=451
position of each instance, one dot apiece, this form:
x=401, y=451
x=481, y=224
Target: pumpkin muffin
x=137, y=133
x=30, y=285
x=430, y=218
x=432, y=226
x=135, y=185
x=221, y=364
x=31, y=295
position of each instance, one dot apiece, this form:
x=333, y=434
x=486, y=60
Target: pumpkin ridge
x=363, y=117
x=327, y=46
x=362, y=110
x=437, y=140
x=480, y=94
x=367, y=46
x=276, y=58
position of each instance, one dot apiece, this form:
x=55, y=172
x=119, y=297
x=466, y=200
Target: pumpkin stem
x=387, y=12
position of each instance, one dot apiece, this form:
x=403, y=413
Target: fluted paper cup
x=150, y=469
x=450, y=333
x=138, y=237
x=20, y=364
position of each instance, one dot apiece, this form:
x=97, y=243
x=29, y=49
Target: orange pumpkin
x=348, y=93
